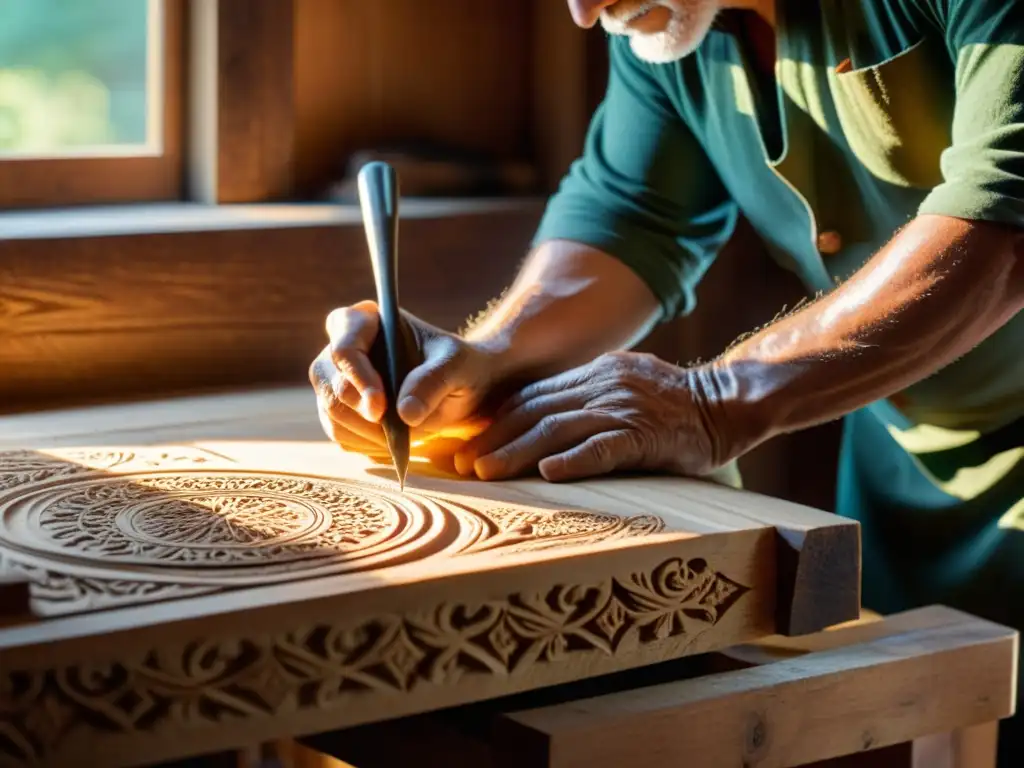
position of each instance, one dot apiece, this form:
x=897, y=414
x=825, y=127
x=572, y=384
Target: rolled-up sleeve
x=983, y=168
x=643, y=190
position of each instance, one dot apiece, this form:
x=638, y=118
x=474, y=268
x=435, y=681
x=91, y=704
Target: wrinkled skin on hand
x=439, y=399
x=624, y=411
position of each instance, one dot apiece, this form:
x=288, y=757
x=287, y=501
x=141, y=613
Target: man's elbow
x=1005, y=246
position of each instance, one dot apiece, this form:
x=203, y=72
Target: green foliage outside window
x=73, y=75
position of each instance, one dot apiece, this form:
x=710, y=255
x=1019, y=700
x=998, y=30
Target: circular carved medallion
x=219, y=526
x=197, y=529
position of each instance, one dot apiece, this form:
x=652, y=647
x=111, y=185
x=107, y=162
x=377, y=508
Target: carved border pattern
x=213, y=682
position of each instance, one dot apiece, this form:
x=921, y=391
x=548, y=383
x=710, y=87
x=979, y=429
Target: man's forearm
x=940, y=287
x=569, y=304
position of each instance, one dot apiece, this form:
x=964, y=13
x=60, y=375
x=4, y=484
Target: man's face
x=659, y=31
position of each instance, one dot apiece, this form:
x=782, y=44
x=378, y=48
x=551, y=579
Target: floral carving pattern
x=223, y=681
x=18, y=468
x=516, y=529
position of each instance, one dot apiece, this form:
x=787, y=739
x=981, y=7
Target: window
x=90, y=101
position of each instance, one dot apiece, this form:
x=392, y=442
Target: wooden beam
x=955, y=671
x=973, y=747
x=243, y=112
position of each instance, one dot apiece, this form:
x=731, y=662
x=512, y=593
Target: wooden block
x=818, y=564
x=202, y=597
x=956, y=671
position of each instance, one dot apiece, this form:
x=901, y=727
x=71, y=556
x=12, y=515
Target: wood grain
x=287, y=414
x=561, y=76
x=255, y=101
x=93, y=318
x=955, y=672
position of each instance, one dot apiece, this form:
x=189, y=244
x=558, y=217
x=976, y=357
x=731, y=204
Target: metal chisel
x=378, y=198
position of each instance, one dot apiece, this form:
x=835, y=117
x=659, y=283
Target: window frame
x=83, y=180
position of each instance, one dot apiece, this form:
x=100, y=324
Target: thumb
x=427, y=385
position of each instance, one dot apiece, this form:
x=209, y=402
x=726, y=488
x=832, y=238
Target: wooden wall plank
x=561, y=100
x=256, y=114
x=374, y=73
x=139, y=315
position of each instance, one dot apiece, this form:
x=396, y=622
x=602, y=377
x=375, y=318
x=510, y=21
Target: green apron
x=942, y=521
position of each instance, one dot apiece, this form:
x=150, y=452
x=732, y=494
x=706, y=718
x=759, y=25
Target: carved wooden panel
x=194, y=598
x=165, y=527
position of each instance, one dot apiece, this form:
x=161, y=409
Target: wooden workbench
x=876, y=687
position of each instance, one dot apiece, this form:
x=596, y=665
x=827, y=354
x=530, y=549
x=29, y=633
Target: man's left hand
x=623, y=411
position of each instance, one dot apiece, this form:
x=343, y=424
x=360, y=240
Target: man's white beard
x=691, y=20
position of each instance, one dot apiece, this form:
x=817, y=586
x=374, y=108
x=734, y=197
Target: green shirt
x=887, y=109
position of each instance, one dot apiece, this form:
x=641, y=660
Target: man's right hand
x=439, y=398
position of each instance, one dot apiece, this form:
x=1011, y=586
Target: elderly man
x=878, y=149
